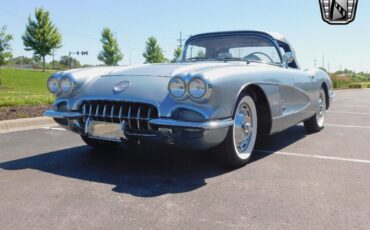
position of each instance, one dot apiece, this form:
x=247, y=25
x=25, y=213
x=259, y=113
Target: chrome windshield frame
x=267, y=36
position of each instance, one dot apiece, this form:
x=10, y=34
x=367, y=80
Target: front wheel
x=316, y=122
x=237, y=148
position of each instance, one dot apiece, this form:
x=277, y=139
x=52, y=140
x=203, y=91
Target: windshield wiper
x=256, y=61
x=195, y=59
x=232, y=59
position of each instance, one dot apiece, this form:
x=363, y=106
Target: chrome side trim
x=215, y=124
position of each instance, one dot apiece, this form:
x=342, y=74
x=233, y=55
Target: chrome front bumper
x=183, y=134
x=159, y=122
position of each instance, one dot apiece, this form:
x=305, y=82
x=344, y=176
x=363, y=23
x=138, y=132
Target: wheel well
x=263, y=109
x=326, y=95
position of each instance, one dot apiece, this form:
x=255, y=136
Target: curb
x=8, y=126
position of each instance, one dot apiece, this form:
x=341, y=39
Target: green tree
x=65, y=60
x=41, y=35
x=176, y=54
x=22, y=60
x=201, y=54
x=153, y=52
x=5, y=45
x=111, y=53
x=55, y=65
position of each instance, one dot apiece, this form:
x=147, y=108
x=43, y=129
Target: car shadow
x=276, y=142
x=143, y=171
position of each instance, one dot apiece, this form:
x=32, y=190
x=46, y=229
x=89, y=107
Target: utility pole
x=314, y=63
x=180, y=40
x=323, y=61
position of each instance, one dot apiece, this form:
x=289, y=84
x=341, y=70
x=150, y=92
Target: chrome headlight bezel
x=207, y=89
x=193, y=90
x=71, y=81
x=186, y=82
x=170, y=89
x=56, y=81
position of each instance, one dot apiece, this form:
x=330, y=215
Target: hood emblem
x=121, y=86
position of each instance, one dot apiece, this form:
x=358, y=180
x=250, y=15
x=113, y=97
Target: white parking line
x=314, y=156
x=348, y=126
x=362, y=106
x=347, y=112
x=350, y=90
x=54, y=128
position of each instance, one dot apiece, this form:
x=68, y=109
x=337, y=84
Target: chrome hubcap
x=322, y=108
x=243, y=128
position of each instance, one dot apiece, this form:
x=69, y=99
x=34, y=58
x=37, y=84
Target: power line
x=64, y=30
x=13, y=14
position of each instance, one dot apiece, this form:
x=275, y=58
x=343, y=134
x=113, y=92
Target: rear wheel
x=99, y=144
x=316, y=122
x=238, y=145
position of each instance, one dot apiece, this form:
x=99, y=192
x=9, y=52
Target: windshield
x=247, y=47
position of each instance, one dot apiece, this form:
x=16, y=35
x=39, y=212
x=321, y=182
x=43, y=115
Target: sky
x=81, y=22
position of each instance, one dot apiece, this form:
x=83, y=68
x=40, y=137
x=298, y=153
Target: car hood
x=145, y=81
x=167, y=70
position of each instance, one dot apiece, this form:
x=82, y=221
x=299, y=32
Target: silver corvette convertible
x=227, y=90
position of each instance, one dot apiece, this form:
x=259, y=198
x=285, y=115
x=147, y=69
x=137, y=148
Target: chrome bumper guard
x=160, y=122
x=59, y=114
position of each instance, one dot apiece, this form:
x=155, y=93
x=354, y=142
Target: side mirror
x=288, y=58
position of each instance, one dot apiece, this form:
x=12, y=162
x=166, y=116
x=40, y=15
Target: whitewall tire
x=237, y=148
x=317, y=121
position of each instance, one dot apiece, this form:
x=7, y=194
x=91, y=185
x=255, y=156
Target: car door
x=306, y=82
x=293, y=100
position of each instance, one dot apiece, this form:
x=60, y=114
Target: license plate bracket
x=104, y=130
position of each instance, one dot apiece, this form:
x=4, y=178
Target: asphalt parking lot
x=50, y=179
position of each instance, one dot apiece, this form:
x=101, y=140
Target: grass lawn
x=24, y=87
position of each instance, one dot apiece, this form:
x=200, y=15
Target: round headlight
x=176, y=87
x=53, y=85
x=66, y=85
x=197, y=88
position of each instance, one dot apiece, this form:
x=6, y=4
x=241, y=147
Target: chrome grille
x=136, y=115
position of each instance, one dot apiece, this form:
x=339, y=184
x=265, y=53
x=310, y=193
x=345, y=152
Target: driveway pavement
x=50, y=180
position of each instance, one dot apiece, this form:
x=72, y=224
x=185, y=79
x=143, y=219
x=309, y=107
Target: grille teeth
x=136, y=115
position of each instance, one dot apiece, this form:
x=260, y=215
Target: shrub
x=340, y=80
x=355, y=86
x=368, y=86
